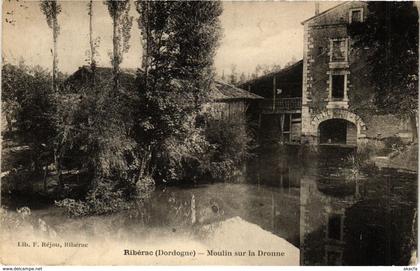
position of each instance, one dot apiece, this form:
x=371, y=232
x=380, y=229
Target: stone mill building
x=327, y=97
x=337, y=105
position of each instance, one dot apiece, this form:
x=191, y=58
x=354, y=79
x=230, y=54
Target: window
x=338, y=50
x=356, y=15
x=337, y=89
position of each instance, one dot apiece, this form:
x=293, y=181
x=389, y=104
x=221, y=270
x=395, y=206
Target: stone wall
x=358, y=99
x=383, y=126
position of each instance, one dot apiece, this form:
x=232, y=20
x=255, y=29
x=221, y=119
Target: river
x=335, y=214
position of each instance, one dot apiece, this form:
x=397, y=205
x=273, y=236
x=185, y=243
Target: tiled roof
x=225, y=91
x=276, y=73
x=219, y=92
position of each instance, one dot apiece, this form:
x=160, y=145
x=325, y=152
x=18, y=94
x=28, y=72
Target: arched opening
x=337, y=131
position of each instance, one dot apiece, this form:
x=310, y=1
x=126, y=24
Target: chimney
x=316, y=8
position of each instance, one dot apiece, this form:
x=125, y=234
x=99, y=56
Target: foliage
x=122, y=23
x=96, y=126
x=181, y=157
x=92, y=53
x=229, y=147
x=390, y=31
x=179, y=40
x=394, y=144
x=102, y=201
x=128, y=136
x=51, y=9
x=29, y=102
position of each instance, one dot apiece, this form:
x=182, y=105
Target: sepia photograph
x=209, y=133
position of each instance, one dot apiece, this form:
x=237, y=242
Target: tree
x=233, y=77
x=51, y=9
x=223, y=78
x=179, y=40
x=242, y=78
x=92, y=43
x=390, y=33
x=93, y=125
x=28, y=99
x=276, y=68
x=121, y=27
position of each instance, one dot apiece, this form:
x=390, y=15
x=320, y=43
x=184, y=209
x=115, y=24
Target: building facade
x=337, y=96
x=279, y=113
x=229, y=102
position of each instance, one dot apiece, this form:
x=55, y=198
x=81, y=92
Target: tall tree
x=91, y=42
x=121, y=27
x=51, y=9
x=223, y=76
x=242, y=78
x=233, y=77
x=390, y=33
x=180, y=39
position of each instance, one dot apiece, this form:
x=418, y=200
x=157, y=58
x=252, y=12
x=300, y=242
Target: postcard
x=209, y=133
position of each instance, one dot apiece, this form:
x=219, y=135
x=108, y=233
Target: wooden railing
x=282, y=104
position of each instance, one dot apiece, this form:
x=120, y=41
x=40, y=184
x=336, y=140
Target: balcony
x=281, y=105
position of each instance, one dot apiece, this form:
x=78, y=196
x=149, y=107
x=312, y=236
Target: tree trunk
x=45, y=177
x=92, y=46
x=146, y=53
x=413, y=124
x=90, y=33
x=115, y=60
x=57, y=162
x=93, y=168
x=54, y=72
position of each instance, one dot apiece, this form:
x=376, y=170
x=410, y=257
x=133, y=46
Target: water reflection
x=317, y=203
x=345, y=218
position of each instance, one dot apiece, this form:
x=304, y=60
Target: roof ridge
x=274, y=72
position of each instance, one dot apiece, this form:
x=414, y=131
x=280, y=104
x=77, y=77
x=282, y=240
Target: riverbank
x=406, y=159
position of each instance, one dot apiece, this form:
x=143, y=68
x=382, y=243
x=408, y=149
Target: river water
x=336, y=213
x=333, y=212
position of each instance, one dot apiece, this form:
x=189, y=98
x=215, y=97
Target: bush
x=370, y=148
x=144, y=187
x=394, y=144
x=180, y=156
x=215, y=151
x=229, y=147
x=102, y=200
